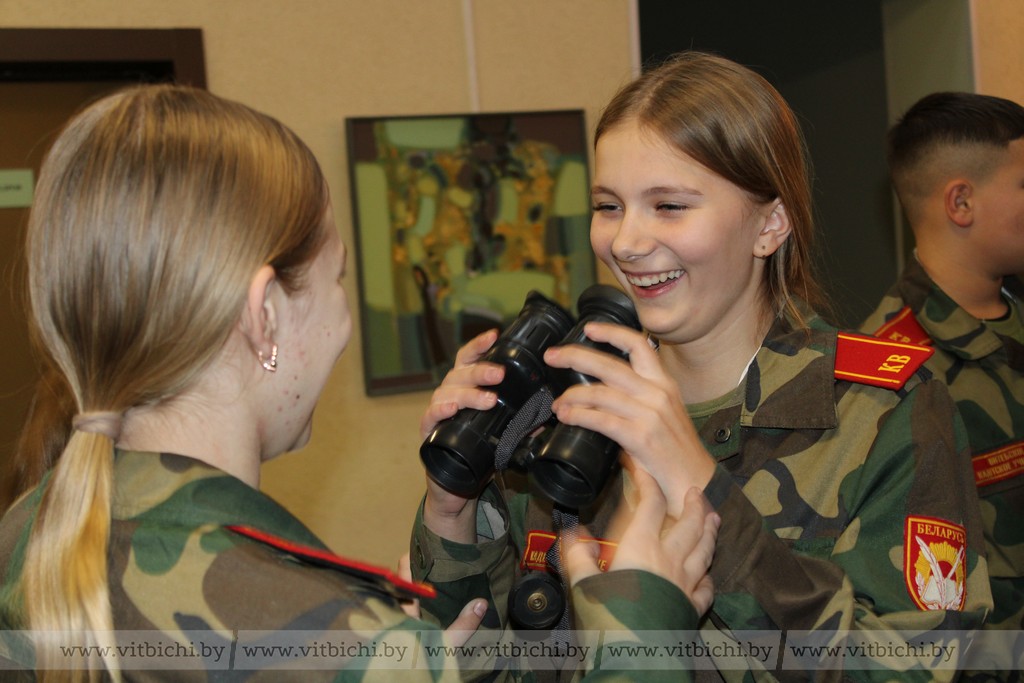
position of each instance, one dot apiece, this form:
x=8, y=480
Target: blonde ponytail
x=64, y=578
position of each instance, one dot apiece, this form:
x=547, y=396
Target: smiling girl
x=840, y=474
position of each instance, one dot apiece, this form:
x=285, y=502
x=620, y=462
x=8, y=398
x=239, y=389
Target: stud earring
x=270, y=364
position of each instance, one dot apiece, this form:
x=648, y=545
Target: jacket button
x=723, y=434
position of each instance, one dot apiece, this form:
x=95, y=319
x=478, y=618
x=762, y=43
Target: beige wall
x=997, y=27
x=927, y=48
x=312, y=63
x=971, y=45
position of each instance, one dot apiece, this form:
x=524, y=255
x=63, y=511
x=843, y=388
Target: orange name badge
x=539, y=542
x=904, y=328
x=1002, y=463
x=934, y=564
x=868, y=360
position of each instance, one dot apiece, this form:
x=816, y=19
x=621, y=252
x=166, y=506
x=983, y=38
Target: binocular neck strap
x=535, y=412
x=564, y=522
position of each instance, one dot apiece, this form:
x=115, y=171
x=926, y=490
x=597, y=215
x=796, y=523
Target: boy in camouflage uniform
x=957, y=164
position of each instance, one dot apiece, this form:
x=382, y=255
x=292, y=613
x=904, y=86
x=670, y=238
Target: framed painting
x=456, y=219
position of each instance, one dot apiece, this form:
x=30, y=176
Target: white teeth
x=650, y=280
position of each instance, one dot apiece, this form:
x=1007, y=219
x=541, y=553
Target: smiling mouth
x=653, y=280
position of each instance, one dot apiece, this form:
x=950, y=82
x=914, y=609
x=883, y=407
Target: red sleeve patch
x=868, y=360
x=386, y=579
x=904, y=328
x=934, y=563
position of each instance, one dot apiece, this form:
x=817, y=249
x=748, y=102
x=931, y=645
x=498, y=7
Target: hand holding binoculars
x=569, y=464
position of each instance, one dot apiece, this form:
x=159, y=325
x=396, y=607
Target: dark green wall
x=827, y=60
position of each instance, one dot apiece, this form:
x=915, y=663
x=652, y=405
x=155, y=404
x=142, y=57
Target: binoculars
x=569, y=464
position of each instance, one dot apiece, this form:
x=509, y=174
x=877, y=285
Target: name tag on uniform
x=1002, y=463
x=538, y=543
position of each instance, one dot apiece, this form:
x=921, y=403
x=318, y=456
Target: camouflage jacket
x=837, y=501
x=212, y=580
x=985, y=375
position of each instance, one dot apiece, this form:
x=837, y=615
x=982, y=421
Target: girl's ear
x=259, y=318
x=774, y=231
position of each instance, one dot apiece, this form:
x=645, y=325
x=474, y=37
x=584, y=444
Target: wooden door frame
x=67, y=53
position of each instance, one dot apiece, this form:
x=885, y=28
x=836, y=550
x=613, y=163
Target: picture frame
x=456, y=219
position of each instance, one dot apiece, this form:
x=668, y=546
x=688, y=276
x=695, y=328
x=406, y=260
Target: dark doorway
x=827, y=60
x=45, y=76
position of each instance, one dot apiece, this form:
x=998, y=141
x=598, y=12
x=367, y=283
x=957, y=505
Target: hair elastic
x=103, y=422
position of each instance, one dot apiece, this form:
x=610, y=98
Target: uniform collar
x=949, y=326
x=791, y=384
x=181, y=491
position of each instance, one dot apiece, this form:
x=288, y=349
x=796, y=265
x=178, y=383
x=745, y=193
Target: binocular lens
x=536, y=601
x=452, y=454
x=573, y=465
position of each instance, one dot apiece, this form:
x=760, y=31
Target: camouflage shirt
x=215, y=580
x=843, y=507
x=985, y=375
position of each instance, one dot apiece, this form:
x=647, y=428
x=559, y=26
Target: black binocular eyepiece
x=569, y=464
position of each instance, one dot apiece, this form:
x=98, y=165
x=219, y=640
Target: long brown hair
x=732, y=121
x=154, y=209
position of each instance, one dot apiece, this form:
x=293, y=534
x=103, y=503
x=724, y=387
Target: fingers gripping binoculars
x=569, y=464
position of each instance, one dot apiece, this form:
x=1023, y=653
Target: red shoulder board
x=383, y=578
x=904, y=328
x=868, y=360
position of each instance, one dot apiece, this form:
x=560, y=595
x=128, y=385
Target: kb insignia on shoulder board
x=881, y=363
x=904, y=328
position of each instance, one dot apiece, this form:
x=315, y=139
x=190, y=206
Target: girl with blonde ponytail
x=122, y=248
x=186, y=283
